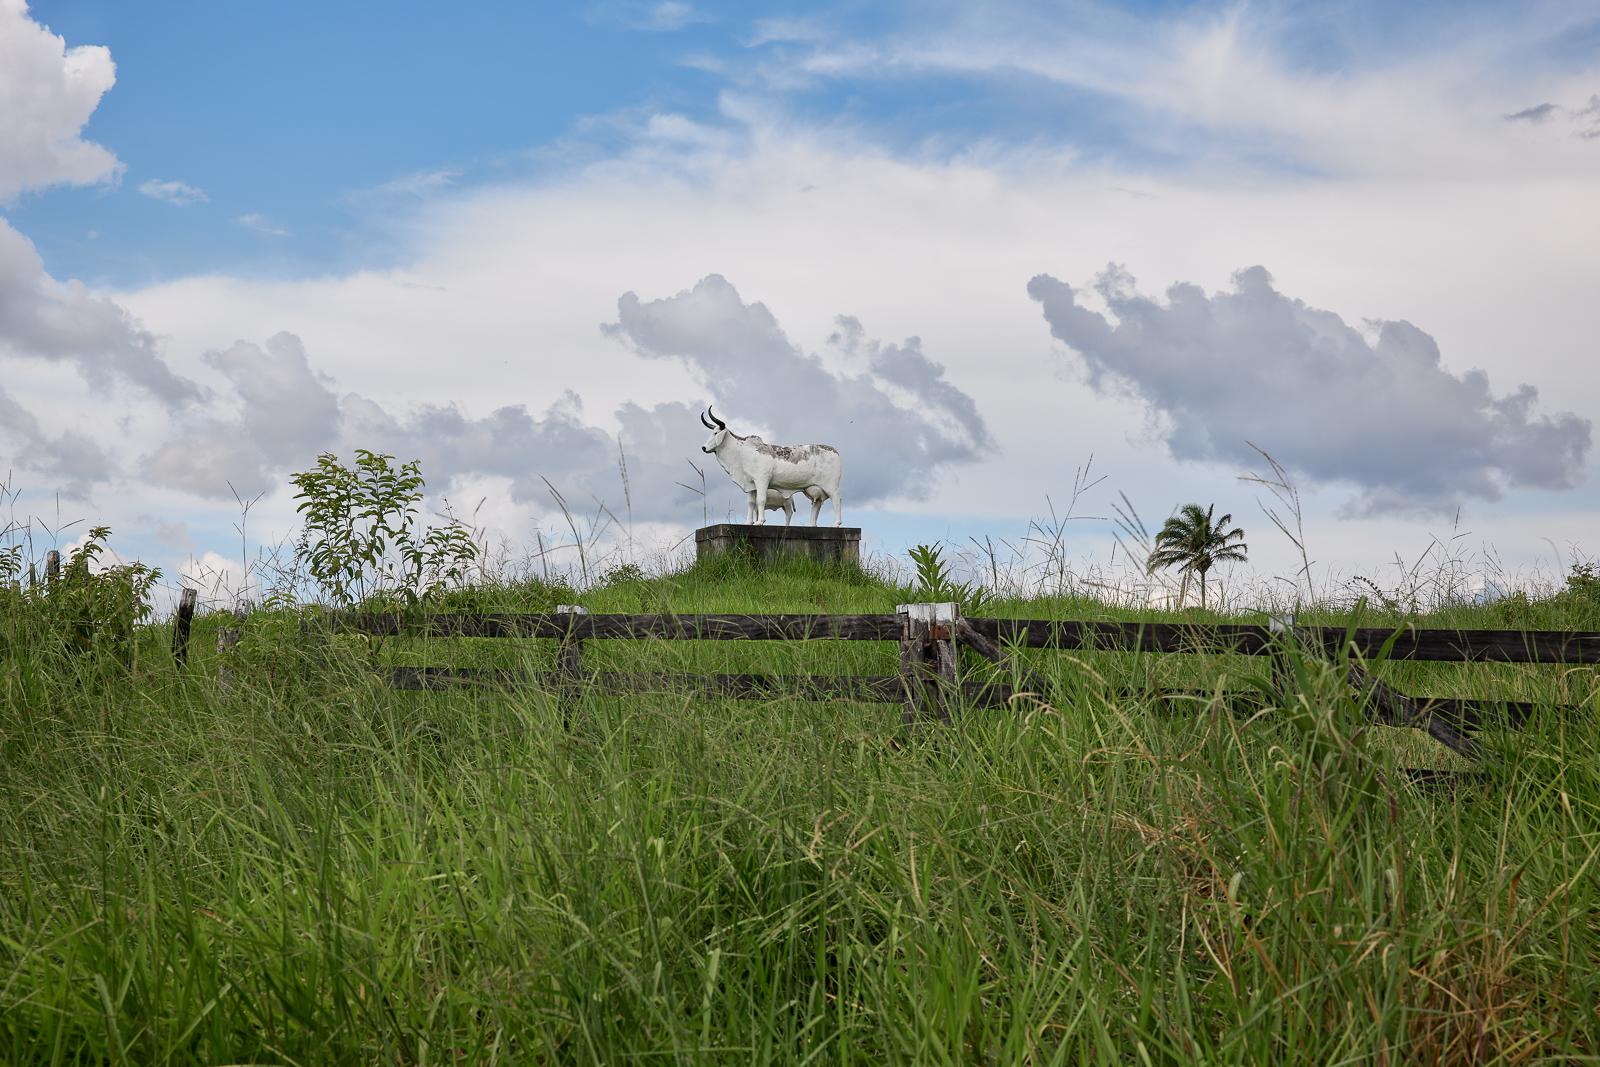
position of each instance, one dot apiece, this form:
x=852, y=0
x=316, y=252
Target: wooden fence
x=929, y=635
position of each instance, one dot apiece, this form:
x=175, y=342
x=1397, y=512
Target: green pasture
x=302, y=866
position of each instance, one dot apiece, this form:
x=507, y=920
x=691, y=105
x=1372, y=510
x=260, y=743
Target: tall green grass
x=305, y=867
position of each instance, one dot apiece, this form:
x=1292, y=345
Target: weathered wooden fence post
x=928, y=658
x=913, y=639
x=52, y=567
x=569, y=664
x=227, y=638
x=180, y=627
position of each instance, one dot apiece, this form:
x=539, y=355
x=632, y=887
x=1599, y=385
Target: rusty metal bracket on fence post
x=569, y=663
x=928, y=659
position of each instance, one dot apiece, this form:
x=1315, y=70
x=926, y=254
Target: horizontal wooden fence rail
x=1445, y=646
x=633, y=627
x=928, y=636
x=1434, y=645
x=1470, y=646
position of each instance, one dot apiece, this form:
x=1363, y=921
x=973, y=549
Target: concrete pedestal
x=825, y=544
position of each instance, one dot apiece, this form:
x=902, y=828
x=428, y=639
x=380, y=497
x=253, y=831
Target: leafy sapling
x=94, y=608
x=364, y=537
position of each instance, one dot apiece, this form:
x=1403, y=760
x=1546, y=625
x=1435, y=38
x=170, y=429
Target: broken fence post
x=1391, y=707
x=569, y=664
x=227, y=638
x=1282, y=628
x=52, y=567
x=1385, y=704
x=180, y=627
x=928, y=658
x=1030, y=679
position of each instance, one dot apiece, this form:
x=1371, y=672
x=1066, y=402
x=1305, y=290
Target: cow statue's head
x=718, y=428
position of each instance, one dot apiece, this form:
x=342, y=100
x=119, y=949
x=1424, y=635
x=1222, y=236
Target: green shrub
x=1515, y=610
x=84, y=610
x=364, y=539
x=624, y=574
x=1584, y=581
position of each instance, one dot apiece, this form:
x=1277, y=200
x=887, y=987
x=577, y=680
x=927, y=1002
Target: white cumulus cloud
x=47, y=93
x=181, y=194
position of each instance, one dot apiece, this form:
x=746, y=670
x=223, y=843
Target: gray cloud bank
x=1331, y=403
x=286, y=411
x=285, y=414
x=64, y=322
x=892, y=413
x=74, y=461
x=47, y=320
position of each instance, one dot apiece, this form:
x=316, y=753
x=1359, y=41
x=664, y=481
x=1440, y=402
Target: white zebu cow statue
x=758, y=468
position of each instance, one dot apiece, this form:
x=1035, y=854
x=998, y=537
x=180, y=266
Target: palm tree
x=1191, y=541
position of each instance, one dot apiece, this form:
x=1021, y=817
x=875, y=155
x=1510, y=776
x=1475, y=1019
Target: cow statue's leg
x=758, y=503
x=816, y=496
x=753, y=510
x=838, y=507
x=788, y=510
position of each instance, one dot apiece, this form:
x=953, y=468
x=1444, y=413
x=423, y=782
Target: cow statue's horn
x=704, y=423
x=720, y=424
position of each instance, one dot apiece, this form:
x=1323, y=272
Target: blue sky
x=295, y=113
x=287, y=111
x=444, y=209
